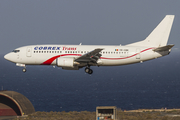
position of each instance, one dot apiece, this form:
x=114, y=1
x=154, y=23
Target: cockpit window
x=15, y=51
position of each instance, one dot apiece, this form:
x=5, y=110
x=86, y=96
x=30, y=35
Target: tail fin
x=159, y=36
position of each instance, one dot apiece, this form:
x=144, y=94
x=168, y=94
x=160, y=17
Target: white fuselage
x=111, y=55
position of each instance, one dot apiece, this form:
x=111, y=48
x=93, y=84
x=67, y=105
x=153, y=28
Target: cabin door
x=28, y=52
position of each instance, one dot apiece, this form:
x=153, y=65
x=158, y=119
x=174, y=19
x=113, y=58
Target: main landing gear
x=88, y=70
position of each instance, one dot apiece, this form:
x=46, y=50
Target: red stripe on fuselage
x=49, y=61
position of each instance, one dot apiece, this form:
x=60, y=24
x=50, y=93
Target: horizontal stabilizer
x=164, y=48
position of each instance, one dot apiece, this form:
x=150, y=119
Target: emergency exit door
x=138, y=56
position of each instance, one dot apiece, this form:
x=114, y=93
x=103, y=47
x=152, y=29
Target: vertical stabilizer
x=159, y=36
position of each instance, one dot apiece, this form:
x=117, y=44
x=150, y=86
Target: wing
x=89, y=57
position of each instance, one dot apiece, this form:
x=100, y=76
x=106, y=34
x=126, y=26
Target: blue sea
x=151, y=84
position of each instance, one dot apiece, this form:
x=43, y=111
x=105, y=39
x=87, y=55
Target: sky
x=90, y=22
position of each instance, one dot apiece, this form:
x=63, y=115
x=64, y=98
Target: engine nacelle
x=65, y=62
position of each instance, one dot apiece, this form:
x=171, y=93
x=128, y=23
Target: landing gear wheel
x=90, y=71
x=87, y=70
x=24, y=70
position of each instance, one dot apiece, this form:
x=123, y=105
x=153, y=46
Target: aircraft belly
x=118, y=62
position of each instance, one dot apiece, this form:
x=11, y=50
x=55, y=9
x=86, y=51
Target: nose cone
x=7, y=57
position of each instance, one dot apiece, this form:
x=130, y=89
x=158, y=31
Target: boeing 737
x=74, y=57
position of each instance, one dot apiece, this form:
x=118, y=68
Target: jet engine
x=66, y=62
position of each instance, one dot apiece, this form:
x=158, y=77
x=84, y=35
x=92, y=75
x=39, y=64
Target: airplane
x=74, y=57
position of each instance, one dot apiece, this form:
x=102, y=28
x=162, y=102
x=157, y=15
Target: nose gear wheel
x=24, y=70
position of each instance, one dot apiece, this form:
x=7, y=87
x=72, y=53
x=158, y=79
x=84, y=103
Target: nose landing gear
x=24, y=70
x=88, y=70
x=22, y=65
